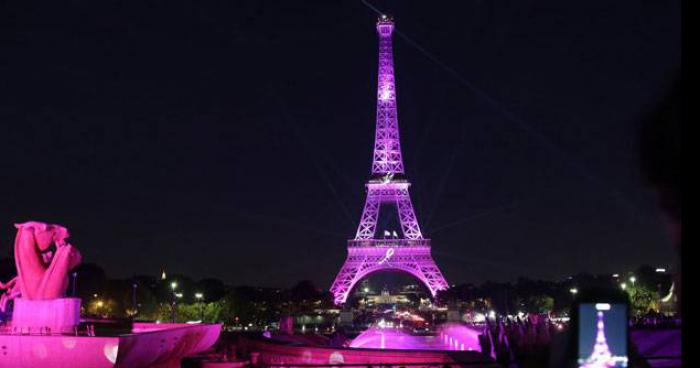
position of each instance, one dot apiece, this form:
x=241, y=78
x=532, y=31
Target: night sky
x=232, y=139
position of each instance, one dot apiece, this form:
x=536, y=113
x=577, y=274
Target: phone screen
x=602, y=335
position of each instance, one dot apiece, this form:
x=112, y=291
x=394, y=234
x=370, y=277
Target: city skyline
x=207, y=152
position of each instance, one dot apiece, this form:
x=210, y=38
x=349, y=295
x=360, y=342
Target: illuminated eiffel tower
x=601, y=353
x=410, y=252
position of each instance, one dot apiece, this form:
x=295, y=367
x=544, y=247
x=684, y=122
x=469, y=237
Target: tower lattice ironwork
x=366, y=253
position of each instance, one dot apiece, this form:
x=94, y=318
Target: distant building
x=385, y=297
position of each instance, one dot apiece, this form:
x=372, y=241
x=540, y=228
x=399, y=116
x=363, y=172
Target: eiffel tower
x=409, y=252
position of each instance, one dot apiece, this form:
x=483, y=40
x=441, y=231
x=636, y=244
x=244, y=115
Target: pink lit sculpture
x=45, y=329
x=411, y=252
x=43, y=259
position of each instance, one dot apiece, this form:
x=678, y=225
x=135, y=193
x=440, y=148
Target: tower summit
x=409, y=252
x=387, y=157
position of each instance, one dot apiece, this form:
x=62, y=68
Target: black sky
x=232, y=139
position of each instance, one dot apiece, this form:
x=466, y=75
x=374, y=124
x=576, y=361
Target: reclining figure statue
x=43, y=259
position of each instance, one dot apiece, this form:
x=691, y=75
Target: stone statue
x=43, y=259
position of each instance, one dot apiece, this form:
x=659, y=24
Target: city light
x=623, y=286
x=660, y=270
x=633, y=279
x=616, y=275
x=199, y=296
x=573, y=290
x=179, y=295
x=173, y=285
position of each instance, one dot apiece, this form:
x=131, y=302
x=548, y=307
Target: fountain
x=45, y=327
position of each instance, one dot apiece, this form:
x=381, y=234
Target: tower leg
x=407, y=217
x=344, y=281
x=368, y=222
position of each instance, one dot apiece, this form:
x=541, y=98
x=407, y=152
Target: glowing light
x=602, y=306
x=336, y=358
x=492, y=315
x=199, y=295
x=385, y=94
x=173, y=285
x=616, y=275
x=100, y=303
x=623, y=286
x=668, y=297
x=633, y=279
x=573, y=291
x=660, y=270
x=111, y=351
x=179, y=295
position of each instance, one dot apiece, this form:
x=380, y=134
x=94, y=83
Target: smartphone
x=602, y=334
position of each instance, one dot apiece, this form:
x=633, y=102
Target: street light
x=623, y=286
x=173, y=286
x=200, y=296
x=633, y=279
x=573, y=291
x=99, y=304
x=134, y=305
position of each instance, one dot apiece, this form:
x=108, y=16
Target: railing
x=389, y=243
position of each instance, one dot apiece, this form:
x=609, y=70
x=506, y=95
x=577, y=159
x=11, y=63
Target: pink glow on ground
x=290, y=355
x=150, y=345
x=451, y=337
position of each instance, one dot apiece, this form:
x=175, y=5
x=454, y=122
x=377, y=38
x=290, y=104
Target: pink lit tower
x=409, y=252
x=601, y=356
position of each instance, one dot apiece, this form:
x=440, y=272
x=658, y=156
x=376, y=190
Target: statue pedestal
x=54, y=316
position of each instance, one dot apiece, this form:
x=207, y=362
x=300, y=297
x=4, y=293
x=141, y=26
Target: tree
x=540, y=304
x=642, y=299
